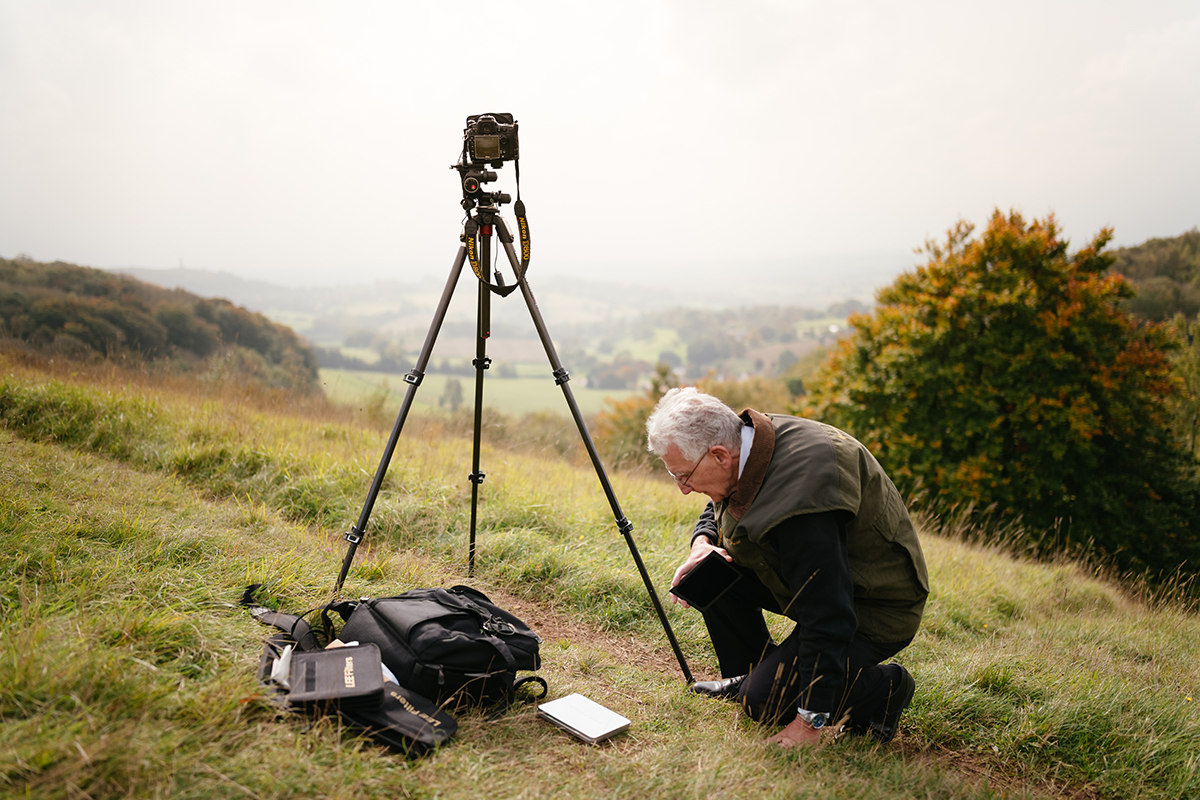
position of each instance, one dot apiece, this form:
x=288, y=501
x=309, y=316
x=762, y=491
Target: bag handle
x=534, y=679
x=344, y=608
x=489, y=620
x=293, y=625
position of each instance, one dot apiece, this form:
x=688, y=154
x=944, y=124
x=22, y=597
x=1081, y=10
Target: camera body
x=491, y=139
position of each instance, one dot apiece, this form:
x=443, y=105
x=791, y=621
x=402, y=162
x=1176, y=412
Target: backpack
x=454, y=645
x=444, y=648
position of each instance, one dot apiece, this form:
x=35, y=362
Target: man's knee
x=770, y=698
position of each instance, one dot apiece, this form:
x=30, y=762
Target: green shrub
x=1004, y=375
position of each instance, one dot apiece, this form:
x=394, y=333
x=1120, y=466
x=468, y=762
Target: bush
x=1005, y=374
x=620, y=430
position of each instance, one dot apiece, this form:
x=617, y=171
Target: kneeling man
x=820, y=534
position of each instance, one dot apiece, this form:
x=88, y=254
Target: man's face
x=714, y=474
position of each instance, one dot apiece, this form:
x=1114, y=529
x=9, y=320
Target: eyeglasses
x=683, y=479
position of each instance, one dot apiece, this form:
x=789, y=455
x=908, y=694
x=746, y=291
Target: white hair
x=693, y=422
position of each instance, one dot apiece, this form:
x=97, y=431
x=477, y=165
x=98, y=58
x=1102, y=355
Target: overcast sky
x=310, y=142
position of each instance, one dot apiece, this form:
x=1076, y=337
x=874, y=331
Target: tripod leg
x=481, y=363
x=413, y=379
x=561, y=377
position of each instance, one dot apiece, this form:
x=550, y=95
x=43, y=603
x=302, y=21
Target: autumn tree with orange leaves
x=1003, y=374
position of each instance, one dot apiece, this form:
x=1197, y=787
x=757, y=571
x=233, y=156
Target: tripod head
x=473, y=178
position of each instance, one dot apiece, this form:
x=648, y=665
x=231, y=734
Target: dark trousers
x=775, y=687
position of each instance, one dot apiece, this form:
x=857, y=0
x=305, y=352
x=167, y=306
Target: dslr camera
x=490, y=138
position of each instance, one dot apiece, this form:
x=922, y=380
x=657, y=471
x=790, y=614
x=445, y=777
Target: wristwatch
x=815, y=719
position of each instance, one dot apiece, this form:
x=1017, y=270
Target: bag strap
x=511, y=696
x=490, y=621
x=293, y=625
x=510, y=662
x=534, y=679
x=344, y=609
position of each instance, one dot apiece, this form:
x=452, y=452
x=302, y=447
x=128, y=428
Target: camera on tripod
x=488, y=141
x=491, y=138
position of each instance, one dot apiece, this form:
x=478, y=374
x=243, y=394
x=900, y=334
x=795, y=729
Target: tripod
x=486, y=221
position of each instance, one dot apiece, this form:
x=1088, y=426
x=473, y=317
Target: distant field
x=508, y=395
x=650, y=348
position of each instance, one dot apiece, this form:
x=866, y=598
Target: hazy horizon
x=861, y=274
x=662, y=142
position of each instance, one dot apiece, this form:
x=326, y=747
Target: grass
x=133, y=512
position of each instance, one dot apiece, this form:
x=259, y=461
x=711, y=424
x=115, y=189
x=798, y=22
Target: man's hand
x=797, y=733
x=701, y=547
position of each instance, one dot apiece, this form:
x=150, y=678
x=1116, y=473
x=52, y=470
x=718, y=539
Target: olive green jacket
x=800, y=466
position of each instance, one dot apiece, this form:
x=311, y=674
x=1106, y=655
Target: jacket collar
x=755, y=471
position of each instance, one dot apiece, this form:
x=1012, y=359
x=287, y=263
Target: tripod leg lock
x=414, y=377
x=354, y=535
x=624, y=526
x=561, y=376
x=487, y=362
x=476, y=477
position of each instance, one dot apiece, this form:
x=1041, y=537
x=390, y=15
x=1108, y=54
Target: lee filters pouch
x=339, y=677
x=405, y=721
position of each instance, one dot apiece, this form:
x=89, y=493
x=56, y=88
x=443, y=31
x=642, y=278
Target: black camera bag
x=397, y=717
x=401, y=719
x=451, y=645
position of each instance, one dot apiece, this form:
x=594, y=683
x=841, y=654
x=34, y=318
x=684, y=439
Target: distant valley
x=726, y=327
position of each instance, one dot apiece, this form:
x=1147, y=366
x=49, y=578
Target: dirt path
x=553, y=625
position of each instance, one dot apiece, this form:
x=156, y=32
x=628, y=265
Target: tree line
x=60, y=309
x=1166, y=274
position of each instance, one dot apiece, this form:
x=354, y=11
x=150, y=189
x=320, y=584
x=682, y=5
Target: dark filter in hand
x=707, y=582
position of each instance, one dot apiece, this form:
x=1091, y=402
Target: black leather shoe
x=887, y=720
x=727, y=688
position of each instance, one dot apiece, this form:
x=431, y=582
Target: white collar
x=747, y=441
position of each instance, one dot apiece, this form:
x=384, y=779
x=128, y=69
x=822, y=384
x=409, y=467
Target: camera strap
x=471, y=236
x=522, y=222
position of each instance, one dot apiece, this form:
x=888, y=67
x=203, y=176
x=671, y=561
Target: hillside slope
x=131, y=518
x=63, y=310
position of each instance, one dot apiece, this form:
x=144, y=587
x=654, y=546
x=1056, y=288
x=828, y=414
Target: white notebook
x=583, y=718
